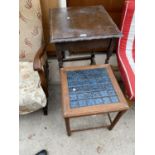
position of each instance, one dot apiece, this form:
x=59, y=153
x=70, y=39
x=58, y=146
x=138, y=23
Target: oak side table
x=91, y=90
x=77, y=28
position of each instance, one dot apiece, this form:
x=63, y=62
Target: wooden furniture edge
x=68, y=112
x=116, y=86
x=118, y=34
x=39, y=65
x=64, y=91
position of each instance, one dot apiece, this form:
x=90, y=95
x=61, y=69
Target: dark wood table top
x=81, y=23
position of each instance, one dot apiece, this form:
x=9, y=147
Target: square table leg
x=60, y=58
x=67, y=123
x=116, y=119
x=92, y=59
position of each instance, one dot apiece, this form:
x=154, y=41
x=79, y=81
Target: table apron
x=90, y=45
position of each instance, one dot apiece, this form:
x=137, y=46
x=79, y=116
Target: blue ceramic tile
x=110, y=87
x=73, y=89
x=111, y=92
x=94, y=87
x=88, y=95
x=106, y=100
x=84, y=96
x=86, y=82
x=96, y=94
x=73, y=97
x=81, y=88
x=74, y=104
x=90, y=87
x=90, y=102
x=82, y=103
x=100, y=80
x=92, y=81
x=103, y=93
x=81, y=96
x=114, y=99
x=98, y=101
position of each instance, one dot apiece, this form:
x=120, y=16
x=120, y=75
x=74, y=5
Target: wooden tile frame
x=90, y=110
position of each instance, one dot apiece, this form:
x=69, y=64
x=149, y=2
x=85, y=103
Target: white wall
x=62, y=3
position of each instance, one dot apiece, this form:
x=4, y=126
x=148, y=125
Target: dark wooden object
x=77, y=28
x=113, y=7
x=41, y=66
x=68, y=112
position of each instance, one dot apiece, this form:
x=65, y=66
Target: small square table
x=91, y=90
x=79, y=28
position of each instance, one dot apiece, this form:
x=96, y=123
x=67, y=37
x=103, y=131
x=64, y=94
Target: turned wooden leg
x=60, y=59
x=67, y=123
x=63, y=55
x=60, y=54
x=92, y=59
x=118, y=116
x=110, y=50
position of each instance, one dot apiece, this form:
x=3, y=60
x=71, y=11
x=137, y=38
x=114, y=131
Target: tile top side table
x=91, y=90
x=77, y=27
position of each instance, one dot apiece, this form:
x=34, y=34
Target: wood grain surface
x=81, y=23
